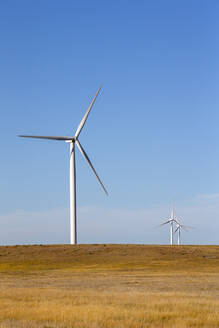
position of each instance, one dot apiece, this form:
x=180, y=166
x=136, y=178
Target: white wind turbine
x=170, y=221
x=180, y=226
x=72, y=142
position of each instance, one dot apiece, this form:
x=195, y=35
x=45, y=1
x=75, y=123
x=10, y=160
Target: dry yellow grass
x=109, y=286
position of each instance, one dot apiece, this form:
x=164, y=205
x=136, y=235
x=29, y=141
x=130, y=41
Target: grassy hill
x=109, y=286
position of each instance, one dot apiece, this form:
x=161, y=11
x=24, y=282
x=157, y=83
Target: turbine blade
x=189, y=227
x=186, y=228
x=80, y=126
x=164, y=223
x=90, y=164
x=47, y=137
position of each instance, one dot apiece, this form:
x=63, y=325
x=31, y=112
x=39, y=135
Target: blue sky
x=152, y=134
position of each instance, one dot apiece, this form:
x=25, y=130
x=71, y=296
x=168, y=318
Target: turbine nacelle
x=70, y=140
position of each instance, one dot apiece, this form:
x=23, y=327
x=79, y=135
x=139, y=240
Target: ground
x=109, y=286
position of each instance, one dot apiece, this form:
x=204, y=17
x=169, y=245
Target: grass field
x=109, y=286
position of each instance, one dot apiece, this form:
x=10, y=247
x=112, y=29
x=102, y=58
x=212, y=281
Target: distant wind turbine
x=170, y=221
x=72, y=142
x=180, y=226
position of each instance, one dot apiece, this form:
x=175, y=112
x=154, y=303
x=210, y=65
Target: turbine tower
x=72, y=142
x=170, y=221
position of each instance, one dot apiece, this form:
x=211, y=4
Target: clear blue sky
x=152, y=134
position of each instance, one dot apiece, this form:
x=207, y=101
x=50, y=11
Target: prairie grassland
x=109, y=286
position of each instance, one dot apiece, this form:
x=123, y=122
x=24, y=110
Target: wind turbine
x=170, y=221
x=72, y=142
x=180, y=226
